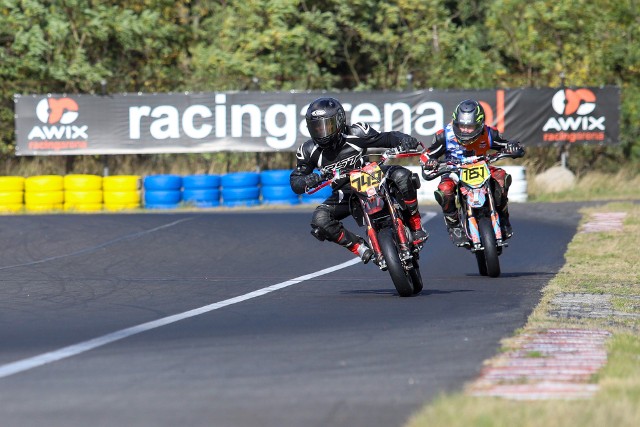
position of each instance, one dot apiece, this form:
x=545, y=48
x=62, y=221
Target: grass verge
x=600, y=263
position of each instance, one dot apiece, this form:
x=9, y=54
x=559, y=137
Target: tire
x=44, y=183
x=488, y=239
x=201, y=182
x=240, y=180
x=416, y=278
x=401, y=279
x=11, y=183
x=163, y=183
x=482, y=263
x=121, y=183
x=278, y=177
x=79, y=182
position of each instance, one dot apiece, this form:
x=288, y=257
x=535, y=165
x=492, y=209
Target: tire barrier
x=201, y=191
x=162, y=191
x=43, y=193
x=240, y=189
x=83, y=193
x=276, y=188
x=11, y=194
x=121, y=192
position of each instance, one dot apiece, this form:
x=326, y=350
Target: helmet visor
x=322, y=127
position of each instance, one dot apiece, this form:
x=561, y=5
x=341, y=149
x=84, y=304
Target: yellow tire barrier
x=80, y=182
x=11, y=197
x=13, y=207
x=83, y=197
x=123, y=207
x=43, y=197
x=42, y=183
x=11, y=183
x=122, y=183
x=47, y=207
x=120, y=199
x=82, y=207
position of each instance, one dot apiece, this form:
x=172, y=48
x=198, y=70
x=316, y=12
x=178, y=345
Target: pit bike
x=375, y=202
x=476, y=207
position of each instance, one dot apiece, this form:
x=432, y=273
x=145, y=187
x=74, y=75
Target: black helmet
x=326, y=121
x=468, y=121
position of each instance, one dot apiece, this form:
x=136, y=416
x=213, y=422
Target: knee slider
x=318, y=233
x=439, y=196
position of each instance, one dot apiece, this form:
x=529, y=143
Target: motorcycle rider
x=333, y=146
x=468, y=135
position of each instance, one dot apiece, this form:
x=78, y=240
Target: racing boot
x=456, y=233
x=505, y=224
x=355, y=244
x=361, y=249
x=418, y=233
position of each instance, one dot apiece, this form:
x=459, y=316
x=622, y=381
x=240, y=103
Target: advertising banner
x=262, y=121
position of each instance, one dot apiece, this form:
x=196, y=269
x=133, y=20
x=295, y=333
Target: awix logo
x=58, y=132
x=577, y=122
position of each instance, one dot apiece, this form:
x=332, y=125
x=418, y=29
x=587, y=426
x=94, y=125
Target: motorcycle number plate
x=366, y=178
x=475, y=174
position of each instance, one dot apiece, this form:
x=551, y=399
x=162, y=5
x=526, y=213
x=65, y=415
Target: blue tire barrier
x=317, y=197
x=275, y=177
x=279, y=194
x=241, y=196
x=240, y=179
x=163, y=182
x=198, y=182
x=201, y=197
x=162, y=199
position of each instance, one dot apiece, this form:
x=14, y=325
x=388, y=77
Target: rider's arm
x=302, y=177
x=363, y=135
x=500, y=143
x=437, y=148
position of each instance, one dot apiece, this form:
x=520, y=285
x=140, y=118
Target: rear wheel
x=488, y=238
x=401, y=279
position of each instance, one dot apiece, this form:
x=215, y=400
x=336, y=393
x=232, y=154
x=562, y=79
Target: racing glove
x=312, y=180
x=514, y=149
x=430, y=164
x=409, y=143
x=427, y=162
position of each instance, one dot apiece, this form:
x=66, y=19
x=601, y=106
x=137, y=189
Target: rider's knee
x=323, y=225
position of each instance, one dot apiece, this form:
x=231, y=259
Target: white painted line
x=75, y=349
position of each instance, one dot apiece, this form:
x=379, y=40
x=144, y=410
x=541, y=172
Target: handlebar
x=390, y=154
x=453, y=165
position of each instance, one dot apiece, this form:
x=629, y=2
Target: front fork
x=474, y=231
x=403, y=241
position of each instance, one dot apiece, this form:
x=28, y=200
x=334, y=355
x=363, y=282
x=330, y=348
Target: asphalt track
x=336, y=348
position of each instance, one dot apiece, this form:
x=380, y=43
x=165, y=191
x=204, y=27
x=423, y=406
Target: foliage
x=84, y=46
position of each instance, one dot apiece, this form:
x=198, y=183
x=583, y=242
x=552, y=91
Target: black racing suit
x=350, y=154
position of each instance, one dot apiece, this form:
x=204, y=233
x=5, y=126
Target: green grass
x=598, y=263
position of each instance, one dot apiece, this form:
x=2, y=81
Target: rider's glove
x=514, y=148
x=430, y=164
x=427, y=162
x=409, y=143
x=312, y=180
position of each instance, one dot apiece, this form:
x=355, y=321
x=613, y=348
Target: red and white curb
x=605, y=221
x=553, y=364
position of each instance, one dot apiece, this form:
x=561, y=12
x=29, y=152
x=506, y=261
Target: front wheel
x=488, y=239
x=401, y=279
x=416, y=277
